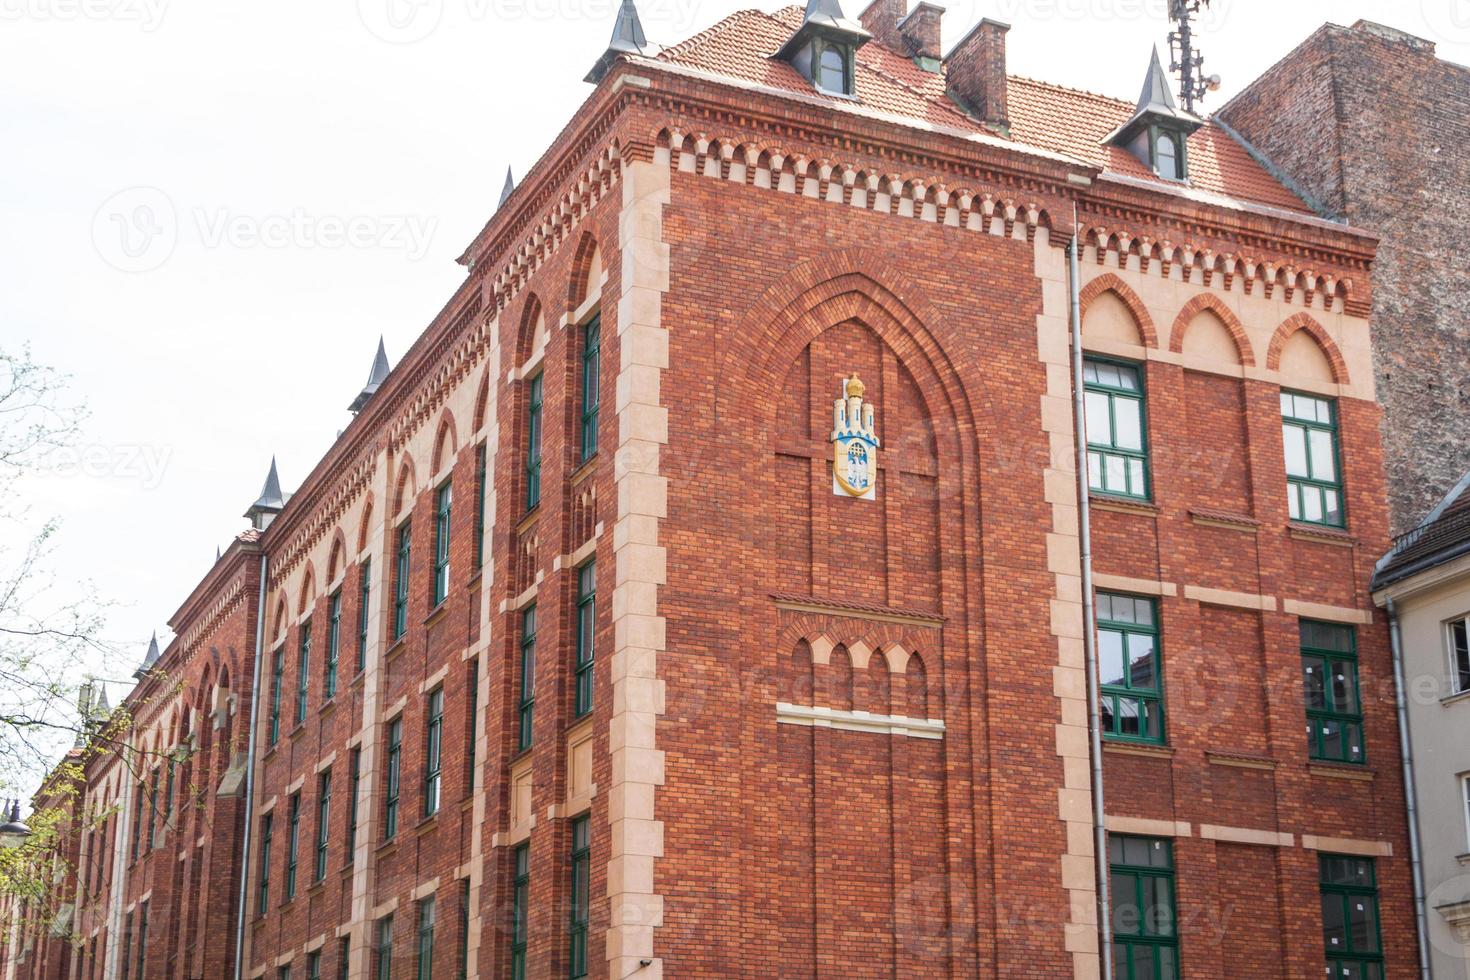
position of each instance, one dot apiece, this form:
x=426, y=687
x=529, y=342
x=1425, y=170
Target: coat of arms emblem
x=854, y=444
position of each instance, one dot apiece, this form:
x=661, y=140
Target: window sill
x=1145, y=749
x=315, y=887
x=1321, y=532
x=584, y=469
x=1239, y=761
x=397, y=647
x=328, y=706
x=1463, y=859
x=270, y=751
x=388, y=846
x=1209, y=517
x=298, y=731
x=1455, y=698
x=427, y=823
x=357, y=678
x=474, y=581
x=437, y=613
x=532, y=516
x=1122, y=505
x=1341, y=770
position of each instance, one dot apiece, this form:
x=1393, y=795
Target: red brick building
x=702, y=595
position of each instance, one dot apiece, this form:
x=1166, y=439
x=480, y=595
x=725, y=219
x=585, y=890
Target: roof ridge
x=1057, y=86
x=693, y=40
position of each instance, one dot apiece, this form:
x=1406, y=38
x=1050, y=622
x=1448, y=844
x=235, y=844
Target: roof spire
x=1156, y=95
x=377, y=374
x=505, y=191
x=150, y=658
x=270, y=502
x=1157, y=131
x=627, y=38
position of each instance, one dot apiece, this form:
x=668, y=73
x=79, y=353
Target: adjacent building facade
x=1424, y=583
x=703, y=593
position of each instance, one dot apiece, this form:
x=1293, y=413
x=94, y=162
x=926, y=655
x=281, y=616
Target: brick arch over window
x=307, y=594
x=586, y=264
x=406, y=487
x=1110, y=283
x=1305, y=321
x=1217, y=306
x=532, y=319
x=482, y=401
x=364, y=523
x=337, y=556
x=446, y=442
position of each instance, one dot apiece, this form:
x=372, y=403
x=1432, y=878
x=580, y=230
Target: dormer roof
x=1156, y=106
x=824, y=18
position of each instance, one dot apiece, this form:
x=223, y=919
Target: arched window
x=833, y=72
x=1166, y=157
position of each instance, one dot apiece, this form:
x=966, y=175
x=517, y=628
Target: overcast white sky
x=315, y=166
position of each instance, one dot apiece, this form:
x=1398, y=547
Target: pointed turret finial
x=149, y=659
x=1156, y=95
x=376, y=376
x=627, y=38
x=270, y=502
x=1158, y=130
x=218, y=554
x=104, y=706
x=507, y=188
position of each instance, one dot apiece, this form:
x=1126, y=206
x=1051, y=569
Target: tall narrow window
x=314, y=966
x=426, y=939
x=395, y=762
x=355, y=777
x=586, y=636
x=1145, y=940
x=1129, y=668
x=1117, y=453
x=168, y=798
x=1458, y=634
x=533, y=444
x=344, y=957
x=442, y=502
x=364, y=588
x=1166, y=157
x=833, y=67
x=142, y=940
x=520, y=896
x=1465, y=798
x=278, y=673
x=323, y=822
x=283, y=973
x=263, y=889
x=384, y=952
x=464, y=929
x=303, y=672
x=149, y=836
x=591, y=384
x=1350, y=928
x=334, y=645
x=472, y=726
x=1330, y=682
x=433, y=751
x=127, y=946
x=139, y=803
x=528, y=677
x=293, y=844
x=1313, y=480
x=580, y=894
x=400, y=589
x=480, y=461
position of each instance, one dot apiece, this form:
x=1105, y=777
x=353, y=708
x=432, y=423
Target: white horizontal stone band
x=858, y=721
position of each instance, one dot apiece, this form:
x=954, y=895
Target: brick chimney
x=880, y=19
x=975, y=72
x=921, y=30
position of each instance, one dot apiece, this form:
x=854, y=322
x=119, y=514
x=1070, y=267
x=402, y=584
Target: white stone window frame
x=1451, y=661
x=1464, y=780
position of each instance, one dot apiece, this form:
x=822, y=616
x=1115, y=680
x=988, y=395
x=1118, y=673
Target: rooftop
x=1443, y=535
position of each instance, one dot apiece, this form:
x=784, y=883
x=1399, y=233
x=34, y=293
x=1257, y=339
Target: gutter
x=1089, y=625
x=1406, y=759
x=249, y=833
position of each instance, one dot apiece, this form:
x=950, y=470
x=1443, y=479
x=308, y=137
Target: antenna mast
x=1193, y=83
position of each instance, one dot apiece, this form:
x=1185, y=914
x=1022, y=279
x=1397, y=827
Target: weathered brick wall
x=1373, y=124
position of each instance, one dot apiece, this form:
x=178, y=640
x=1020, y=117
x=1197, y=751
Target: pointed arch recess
x=1217, y=306
x=1305, y=321
x=1110, y=283
x=406, y=487
x=364, y=523
x=446, y=442
x=587, y=260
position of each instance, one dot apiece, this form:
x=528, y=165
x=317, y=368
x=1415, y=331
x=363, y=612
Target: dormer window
x=823, y=47
x=1158, y=131
x=833, y=69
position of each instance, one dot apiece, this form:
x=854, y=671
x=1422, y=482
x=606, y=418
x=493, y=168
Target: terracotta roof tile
x=1042, y=116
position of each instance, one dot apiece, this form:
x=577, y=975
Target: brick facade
x=1372, y=125
x=828, y=736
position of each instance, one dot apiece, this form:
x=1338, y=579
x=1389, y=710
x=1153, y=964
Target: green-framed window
x=591, y=384
x=1117, y=428
x=586, y=637
x=334, y=645
x=580, y=895
x=400, y=586
x=1129, y=668
x=480, y=463
x=527, y=706
x=383, y=954
x=1145, y=934
x=139, y=803
x=127, y=946
x=443, y=500
x=314, y=966
x=278, y=675
x=142, y=940
x=394, y=776
x=151, y=836
x=433, y=751
x=303, y=672
x=1313, y=462
x=464, y=929
x=293, y=844
x=1330, y=681
x=354, y=780
x=533, y=443
x=472, y=726
x=426, y=939
x=520, y=894
x=344, y=957
x=323, y=822
x=1350, y=927
x=364, y=590
x=263, y=883
x=832, y=66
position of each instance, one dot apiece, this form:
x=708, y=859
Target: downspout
x=250, y=773
x=1406, y=759
x=1089, y=625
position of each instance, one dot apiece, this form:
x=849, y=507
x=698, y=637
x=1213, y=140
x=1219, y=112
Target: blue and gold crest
x=854, y=444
